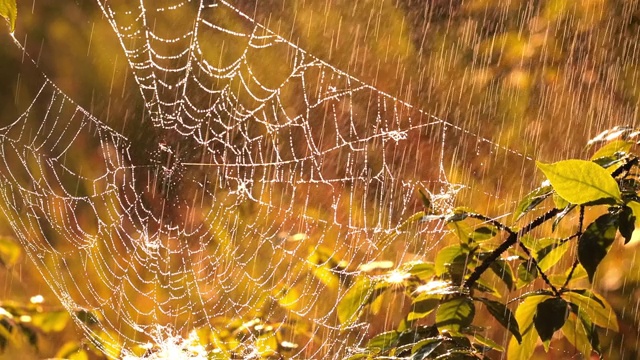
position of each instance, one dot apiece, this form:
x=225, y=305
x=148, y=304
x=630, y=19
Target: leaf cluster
x=446, y=294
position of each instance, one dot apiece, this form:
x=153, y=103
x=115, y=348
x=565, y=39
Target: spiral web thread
x=269, y=192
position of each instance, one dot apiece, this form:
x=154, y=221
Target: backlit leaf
x=357, y=297
x=531, y=200
x=550, y=255
x=580, y=182
x=423, y=306
x=576, y=334
x=504, y=316
x=527, y=272
x=9, y=11
x=461, y=230
x=561, y=216
x=504, y=272
x=559, y=202
x=424, y=348
x=617, y=146
x=448, y=256
x=423, y=270
x=477, y=338
x=484, y=232
x=524, y=316
x=455, y=314
x=597, y=309
x=383, y=341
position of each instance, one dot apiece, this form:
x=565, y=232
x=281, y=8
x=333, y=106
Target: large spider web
x=263, y=178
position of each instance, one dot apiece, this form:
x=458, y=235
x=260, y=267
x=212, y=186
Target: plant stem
x=542, y=274
x=512, y=239
x=575, y=262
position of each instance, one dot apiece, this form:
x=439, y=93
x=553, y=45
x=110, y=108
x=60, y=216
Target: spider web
x=269, y=188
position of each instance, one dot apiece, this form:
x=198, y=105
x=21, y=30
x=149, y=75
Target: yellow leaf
x=576, y=334
x=9, y=11
x=524, y=315
x=595, y=307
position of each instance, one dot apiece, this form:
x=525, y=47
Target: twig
x=575, y=262
x=510, y=241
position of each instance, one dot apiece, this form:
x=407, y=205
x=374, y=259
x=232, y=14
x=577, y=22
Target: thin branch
x=507, y=229
x=491, y=221
x=510, y=241
x=575, y=262
x=542, y=274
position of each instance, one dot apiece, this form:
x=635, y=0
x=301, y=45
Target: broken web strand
x=145, y=240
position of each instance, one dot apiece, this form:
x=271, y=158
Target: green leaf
x=424, y=348
x=468, y=234
x=595, y=242
x=9, y=11
x=417, y=217
x=383, y=341
x=458, y=214
x=596, y=308
x=416, y=333
x=323, y=265
x=486, y=287
x=423, y=306
x=503, y=270
x=483, y=233
x=592, y=333
x=559, y=202
x=576, y=334
x=423, y=270
x=50, y=321
x=538, y=292
x=550, y=316
x=455, y=314
x=589, y=327
x=355, y=300
x=486, y=342
x=561, y=216
x=503, y=315
x=461, y=230
x=580, y=182
x=537, y=244
x=531, y=200
x=617, y=146
x=527, y=272
x=559, y=279
x=524, y=316
x=450, y=259
x=550, y=255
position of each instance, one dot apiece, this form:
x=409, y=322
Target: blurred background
x=538, y=78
